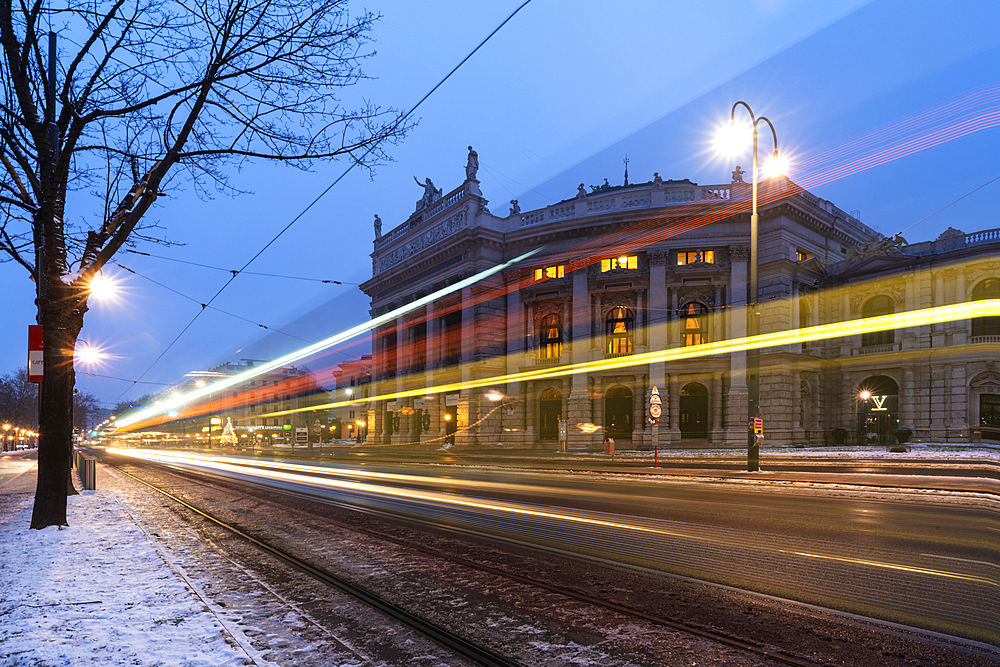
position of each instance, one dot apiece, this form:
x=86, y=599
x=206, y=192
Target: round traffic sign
x=655, y=411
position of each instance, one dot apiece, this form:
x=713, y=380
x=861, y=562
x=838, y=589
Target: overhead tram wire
x=971, y=192
x=249, y=273
x=205, y=305
x=316, y=200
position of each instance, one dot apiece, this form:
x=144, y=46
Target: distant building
x=354, y=387
x=630, y=270
x=251, y=404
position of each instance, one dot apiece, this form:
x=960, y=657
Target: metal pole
x=753, y=355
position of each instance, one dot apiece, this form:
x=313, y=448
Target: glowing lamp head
x=864, y=394
x=101, y=287
x=199, y=383
x=733, y=139
x=494, y=396
x=447, y=417
x=778, y=166
x=89, y=354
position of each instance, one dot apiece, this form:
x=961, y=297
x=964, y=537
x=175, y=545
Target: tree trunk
x=61, y=314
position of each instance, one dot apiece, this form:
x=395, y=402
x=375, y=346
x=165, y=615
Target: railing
x=985, y=236
x=616, y=355
x=547, y=361
x=418, y=218
x=985, y=339
x=877, y=349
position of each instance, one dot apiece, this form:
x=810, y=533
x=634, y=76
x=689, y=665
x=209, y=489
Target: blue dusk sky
x=890, y=108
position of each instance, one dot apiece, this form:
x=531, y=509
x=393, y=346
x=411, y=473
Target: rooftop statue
x=581, y=192
x=515, y=208
x=738, y=175
x=378, y=227
x=472, y=166
x=431, y=194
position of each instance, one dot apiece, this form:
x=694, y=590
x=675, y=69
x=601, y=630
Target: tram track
x=445, y=637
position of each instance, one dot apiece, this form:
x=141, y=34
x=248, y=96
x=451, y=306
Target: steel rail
x=460, y=645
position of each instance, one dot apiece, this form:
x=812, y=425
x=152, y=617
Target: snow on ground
x=99, y=593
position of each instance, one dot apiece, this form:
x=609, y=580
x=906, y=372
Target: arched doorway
x=878, y=410
x=549, y=414
x=694, y=411
x=618, y=412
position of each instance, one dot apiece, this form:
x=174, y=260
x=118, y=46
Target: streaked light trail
x=298, y=355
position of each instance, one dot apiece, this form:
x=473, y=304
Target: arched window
x=986, y=326
x=876, y=307
x=550, y=338
x=695, y=319
x=618, y=331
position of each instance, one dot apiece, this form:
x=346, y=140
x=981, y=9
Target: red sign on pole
x=36, y=361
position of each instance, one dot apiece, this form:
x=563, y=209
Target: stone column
x=736, y=419
x=431, y=401
x=658, y=323
x=515, y=355
x=908, y=400
x=401, y=436
x=578, y=405
x=468, y=400
x=673, y=403
x=715, y=433
x=962, y=330
x=958, y=425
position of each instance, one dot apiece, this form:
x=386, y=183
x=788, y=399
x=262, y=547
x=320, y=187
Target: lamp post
x=753, y=328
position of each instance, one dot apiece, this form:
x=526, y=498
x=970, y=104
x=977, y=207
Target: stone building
x=575, y=335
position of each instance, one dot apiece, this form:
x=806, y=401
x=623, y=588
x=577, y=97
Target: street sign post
x=654, y=410
x=36, y=359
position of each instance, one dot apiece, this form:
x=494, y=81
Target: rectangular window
x=621, y=262
x=802, y=255
x=550, y=272
x=694, y=256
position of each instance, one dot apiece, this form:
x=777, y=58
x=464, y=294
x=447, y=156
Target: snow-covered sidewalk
x=100, y=593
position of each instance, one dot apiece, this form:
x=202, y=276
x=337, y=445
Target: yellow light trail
x=233, y=380
x=913, y=318
x=260, y=469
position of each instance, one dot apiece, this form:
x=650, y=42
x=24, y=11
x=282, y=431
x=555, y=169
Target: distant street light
x=733, y=138
x=494, y=395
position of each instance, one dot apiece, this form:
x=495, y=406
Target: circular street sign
x=655, y=411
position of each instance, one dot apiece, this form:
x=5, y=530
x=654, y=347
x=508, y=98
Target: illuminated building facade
x=629, y=270
x=353, y=389
x=250, y=404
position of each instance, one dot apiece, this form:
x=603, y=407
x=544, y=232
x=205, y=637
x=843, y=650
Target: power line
x=354, y=162
x=947, y=205
x=234, y=271
x=205, y=305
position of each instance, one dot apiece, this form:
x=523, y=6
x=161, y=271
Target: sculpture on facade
x=581, y=192
x=431, y=194
x=515, y=208
x=472, y=166
x=378, y=227
x=657, y=181
x=738, y=174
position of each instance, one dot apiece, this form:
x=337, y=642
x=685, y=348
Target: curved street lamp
x=753, y=355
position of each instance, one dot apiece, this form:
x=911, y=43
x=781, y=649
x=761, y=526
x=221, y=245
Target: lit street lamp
x=495, y=396
x=753, y=355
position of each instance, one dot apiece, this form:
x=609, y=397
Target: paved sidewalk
x=99, y=592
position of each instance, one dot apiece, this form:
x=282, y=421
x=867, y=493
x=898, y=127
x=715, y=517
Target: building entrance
x=618, y=408
x=878, y=410
x=549, y=414
x=694, y=411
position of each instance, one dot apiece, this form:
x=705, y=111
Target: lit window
x=695, y=317
x=620, y=262
x=695, y=256
x=551, y=338
x=618, y=331
x=550, y=272
x=802, y=255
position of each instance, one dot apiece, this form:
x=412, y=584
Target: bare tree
x=154, y=94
